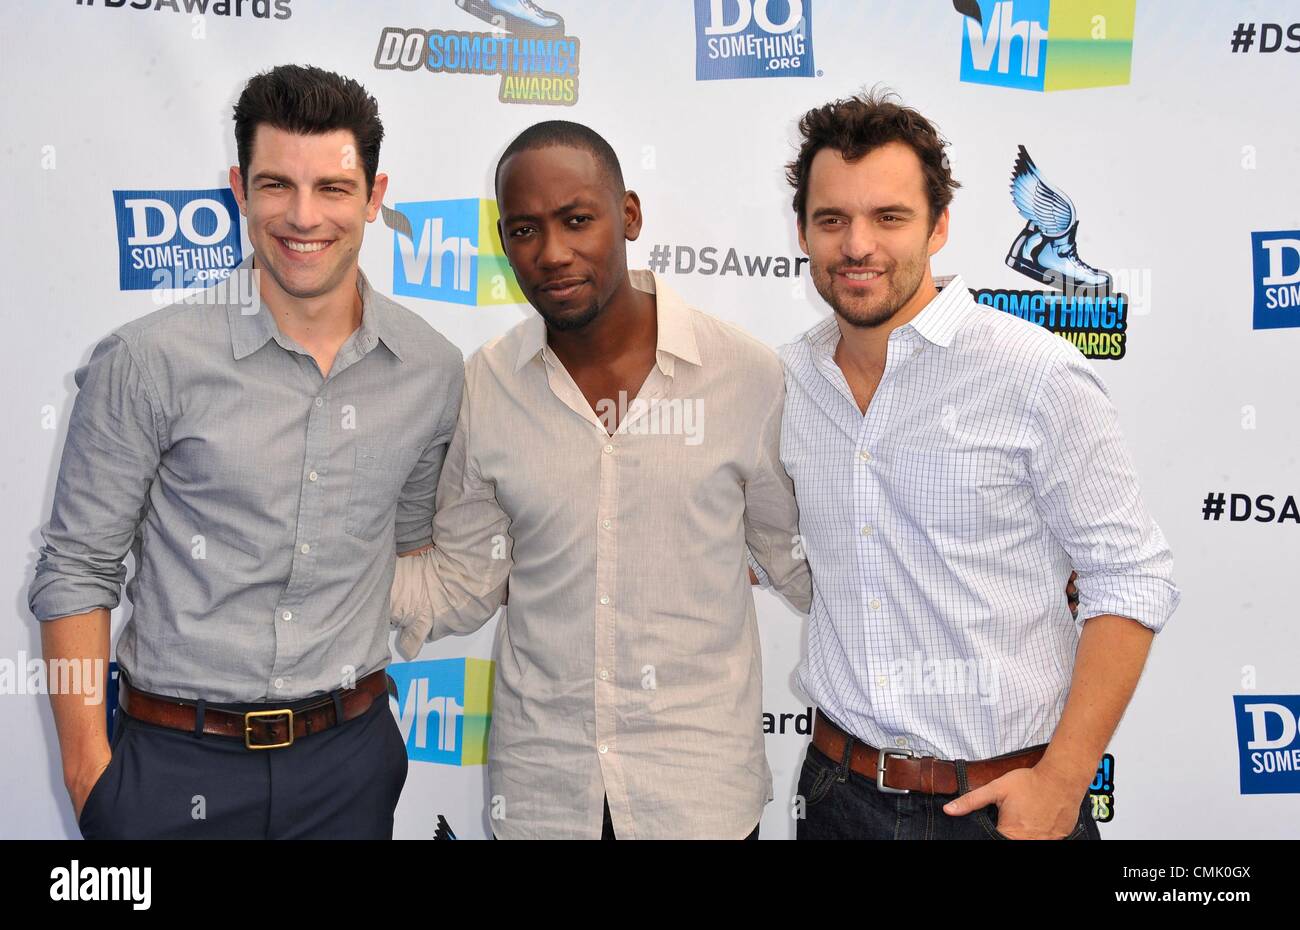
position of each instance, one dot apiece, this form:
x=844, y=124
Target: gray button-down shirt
x=264, y=504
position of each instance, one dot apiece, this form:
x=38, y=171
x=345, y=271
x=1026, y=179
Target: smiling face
x=307, y=207
x=867, y=233
x=564, y=228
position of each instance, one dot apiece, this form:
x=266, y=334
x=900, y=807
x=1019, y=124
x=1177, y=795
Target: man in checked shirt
x=951, y=463
x=628, y=691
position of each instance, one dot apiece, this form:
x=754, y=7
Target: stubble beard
x=569, y=323
x=903, y=283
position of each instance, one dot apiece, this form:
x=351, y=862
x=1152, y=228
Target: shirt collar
x=676, y=329
x=942, y=318
x=249, y=331
x=938, y=322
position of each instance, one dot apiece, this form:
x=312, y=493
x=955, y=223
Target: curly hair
x=859, y=124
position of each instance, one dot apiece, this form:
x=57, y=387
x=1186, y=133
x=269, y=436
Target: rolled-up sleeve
x=772, y=517
x=110, y=459
x=415, y=503
x=1087, y=491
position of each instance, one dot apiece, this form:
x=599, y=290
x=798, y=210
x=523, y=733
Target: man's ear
x=237, y=188
x=377, y=193
x=803, y=239
x=939, y=235
x=632, y=217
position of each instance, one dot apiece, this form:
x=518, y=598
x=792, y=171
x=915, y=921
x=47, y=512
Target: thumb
x=974, y=800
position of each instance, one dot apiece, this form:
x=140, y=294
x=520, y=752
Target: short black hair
x=561, y=132
x=308, y=101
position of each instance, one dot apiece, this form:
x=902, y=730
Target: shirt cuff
x=1148, y=601
x=763, y=580
x=55, y=598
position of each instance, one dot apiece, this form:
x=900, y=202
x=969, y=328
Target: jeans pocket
x=816, y=779
x=1086, y=828
x=989, y=823
x=102, y=784
x=401, y=761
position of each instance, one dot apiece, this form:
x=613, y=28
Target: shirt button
x=864, y=455
x=866, y=530
x=279, y=682
x=287, y=615
x=609, y=449
x=312, y=476
x=604, y=675
x=881, y=680
x=604, y=599
x=305, y=549
x=875, y=603
x=606, y=524
x=319, y=401
x=603, y=748
x=900, y=742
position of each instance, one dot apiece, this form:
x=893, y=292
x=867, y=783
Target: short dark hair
x=309, y=101
x=859, y=124
x=561, y=132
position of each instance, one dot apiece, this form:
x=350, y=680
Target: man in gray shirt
x=264, y=449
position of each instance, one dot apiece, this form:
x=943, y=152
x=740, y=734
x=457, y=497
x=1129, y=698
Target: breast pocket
x=377, y=479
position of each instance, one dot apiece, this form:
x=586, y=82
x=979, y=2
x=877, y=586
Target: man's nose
x=860, y=241
x=303, y=213
x=555, y=251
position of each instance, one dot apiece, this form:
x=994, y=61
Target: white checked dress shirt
x=628, y=659
x=941, y=528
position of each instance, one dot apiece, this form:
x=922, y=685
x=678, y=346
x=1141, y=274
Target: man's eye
x=895, y=219
x=579, y=220
x=520, y=232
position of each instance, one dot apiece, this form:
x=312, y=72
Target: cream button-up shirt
x=628, y=661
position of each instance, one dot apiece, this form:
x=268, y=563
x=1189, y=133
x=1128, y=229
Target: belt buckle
x=248, y=730
x=880, y=769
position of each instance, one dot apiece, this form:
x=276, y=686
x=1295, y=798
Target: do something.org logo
x=176, y=239
x=1268, y=743
x=1046, y=45
x=753, y=39
x=443, y=708
x=1277, y=278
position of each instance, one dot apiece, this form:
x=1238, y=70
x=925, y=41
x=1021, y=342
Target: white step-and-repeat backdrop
x=1169, y=124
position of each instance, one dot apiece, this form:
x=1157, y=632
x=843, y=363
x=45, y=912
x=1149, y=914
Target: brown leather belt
x=273, y=728
x=899, y=771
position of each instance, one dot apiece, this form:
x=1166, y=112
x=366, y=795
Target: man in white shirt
x=615, y=458
x=951, y=463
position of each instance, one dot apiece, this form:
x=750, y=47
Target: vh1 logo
x=1046, y=45
x=443, y=708
x=450, y=250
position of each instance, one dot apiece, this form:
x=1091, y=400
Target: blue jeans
x=840, y=804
